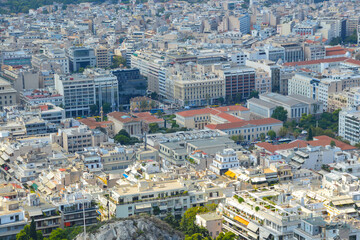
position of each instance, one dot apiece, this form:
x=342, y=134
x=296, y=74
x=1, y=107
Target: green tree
x=123, y=132
x=310, y=135
x=238, y=98
x=93, y=109
x=262, y=137
x=154, y=96
x=106, y=107
x=122, y=139
x=279, y=113
x=187, y=224
x=143, y=105
x=29, y=233
x=58, y=234
x=153, y=104
x=170, y=219
x=271, y=134
x=226, y=236
x=254, y=94
x=221, y=100
x=117, y=61
x=283, y=132
x=332, y=143
x=153, y=128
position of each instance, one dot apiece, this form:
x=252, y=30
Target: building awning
x=241, y=220
x=253, y=227
x=343, y=202
x=35, y=212
x=258, y=179
x=230, y=174
x=143, y=206
x=254, y=235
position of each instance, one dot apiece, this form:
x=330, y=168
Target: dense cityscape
x=195, y=120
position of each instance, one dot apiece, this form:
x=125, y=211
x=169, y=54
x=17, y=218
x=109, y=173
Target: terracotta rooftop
x=147, y=117
x=92, y=123
x=334, y=51
x=312, y=62
x=318, y=141
x=258, y=122
x=220, y=111
x=123, y=117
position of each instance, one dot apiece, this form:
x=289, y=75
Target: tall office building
x=78, y=91
x=80, y=57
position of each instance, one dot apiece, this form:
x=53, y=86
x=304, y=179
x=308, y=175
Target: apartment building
x=303, y=84
x=106, y=87
x=12, y=219
x=78, y=91
x=116, y=160
x=191, y=89
x=255, y=215
x=314, y=52
x=349, y=125
x=46, y=216
x=150, y=65
x=7, y=94
x=262, y=81
x=41, y=96
x=73, y=207
x=103, y=59
x=278, y=82
x=76, y=139
x=50, y=57
x=239, y=80
x=162, y=197
x=224, y=160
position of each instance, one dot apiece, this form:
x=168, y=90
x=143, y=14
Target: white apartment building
x=12, y=219
x=51, y=56
x=78, y=91
x=106, y=87
x=224, y=160
x=150, y=65
x=162, y=197
x=304, y=85
x=349, y=125
x=7, y=94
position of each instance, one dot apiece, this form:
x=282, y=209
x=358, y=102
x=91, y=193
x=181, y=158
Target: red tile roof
x=92, y=123
x=214, y=111
x=318, y=141
x=313, y=62
x=258, y=122
x=334, y=51
x=353, y=61
x=147, y=117
x=123, y=117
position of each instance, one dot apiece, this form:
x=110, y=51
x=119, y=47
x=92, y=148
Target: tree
x=310, y=135
x=153, y=127
x=226, y=236
x=279, y=113
x=271, y=134
x=296, y=133
x=187, y=223
x=153, y=104
x=254, y=94
x=332, y=143
x=143, y=105
x=93, y=109
x=29, y=233
x=170, y=219
x=117, y=61
x=238, y=98
x=221, y=100
x=106, y=107
x=58, y=234
x=262, y=137
x=154, y=96
x=283, y=131
x=124, y=132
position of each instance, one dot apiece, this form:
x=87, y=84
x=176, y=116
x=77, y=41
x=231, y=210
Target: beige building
x=201, y=117
x=196, y=89
x=76, y=139
x=336, y=101
x=7, y=94
x=262, y=81
x=211, y=221
x=125, y=121
x=102, y=57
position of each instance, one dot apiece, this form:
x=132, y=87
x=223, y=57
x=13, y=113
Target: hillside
x=139, y=228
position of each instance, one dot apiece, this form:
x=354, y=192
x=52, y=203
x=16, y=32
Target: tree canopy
x=279, y=113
